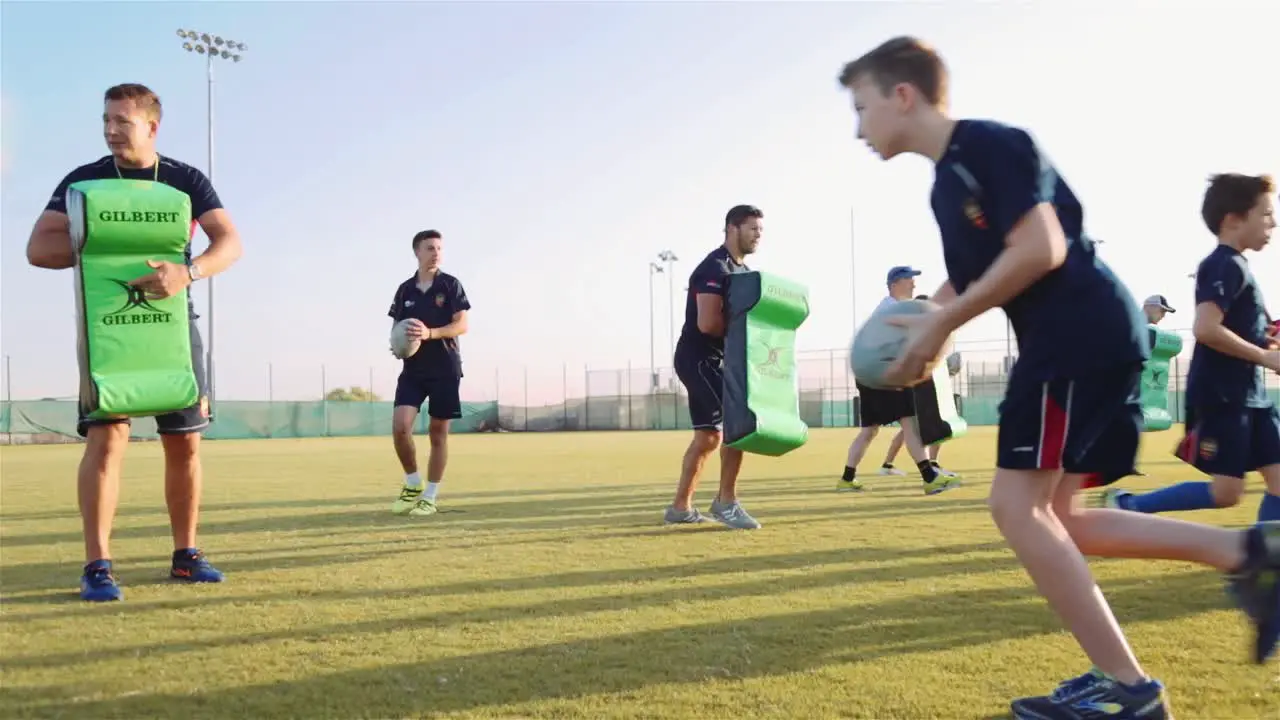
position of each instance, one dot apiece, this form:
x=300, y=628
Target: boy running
x=1012, y=235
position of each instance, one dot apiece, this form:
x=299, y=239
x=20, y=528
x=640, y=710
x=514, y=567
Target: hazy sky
x=560, y=147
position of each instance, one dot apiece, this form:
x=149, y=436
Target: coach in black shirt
x=438, y=306
x=131, y=120
x=699, y=363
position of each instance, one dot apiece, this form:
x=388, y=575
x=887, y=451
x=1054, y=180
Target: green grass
x=549, y=588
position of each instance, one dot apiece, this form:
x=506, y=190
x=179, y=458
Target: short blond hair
x=903, y=59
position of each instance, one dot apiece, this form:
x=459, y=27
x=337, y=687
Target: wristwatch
x=193, y=270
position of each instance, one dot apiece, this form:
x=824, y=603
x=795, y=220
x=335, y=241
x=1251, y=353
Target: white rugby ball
x=403, y=346
x=877, y=344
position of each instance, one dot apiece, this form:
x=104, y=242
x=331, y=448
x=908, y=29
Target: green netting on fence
x=50, y=420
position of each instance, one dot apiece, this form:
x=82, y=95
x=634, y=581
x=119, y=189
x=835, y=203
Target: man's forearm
x=1226, y=342
x=1015, y=270
x=452, y=330
x=222, y=253
x=51, y=249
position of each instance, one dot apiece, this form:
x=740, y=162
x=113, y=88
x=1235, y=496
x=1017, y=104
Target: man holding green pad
x=125, y=223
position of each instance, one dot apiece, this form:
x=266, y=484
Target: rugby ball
x=877, y=344
x=403, y=346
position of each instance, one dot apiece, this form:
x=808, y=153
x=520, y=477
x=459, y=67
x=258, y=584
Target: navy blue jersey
x=1224, y=280
x=710, y=277
x=1073, y=322
x=175, y=174
x=435, y=307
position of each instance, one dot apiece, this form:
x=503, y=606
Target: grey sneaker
x=683, y=517
x=732, y=515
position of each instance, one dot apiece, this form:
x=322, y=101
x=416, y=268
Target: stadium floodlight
x=654, y=269
x=209, y=45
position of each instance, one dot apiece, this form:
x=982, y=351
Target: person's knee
x=1227, y=491
x=105, y=443
x=438, y=432
x=180, y=447
x=1016, y=495
x=705, y=442
x=1271, y=478
x=402, y=421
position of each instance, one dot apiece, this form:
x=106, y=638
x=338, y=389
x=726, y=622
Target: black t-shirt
x=710, y=277
x=177, y=175
x=1076, y=320
x=435, y=307
x=1224, y=279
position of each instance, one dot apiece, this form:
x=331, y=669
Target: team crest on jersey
x=439, y=299
x=974, y=213
x=1208, y=449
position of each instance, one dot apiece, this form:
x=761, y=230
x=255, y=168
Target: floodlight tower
x=212, y=47
x=670, y=259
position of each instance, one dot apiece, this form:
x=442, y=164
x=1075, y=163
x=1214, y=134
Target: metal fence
x=617, y=399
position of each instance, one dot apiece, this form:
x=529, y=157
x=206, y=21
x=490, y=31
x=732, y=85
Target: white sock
x=432, y=489
x=413, y=480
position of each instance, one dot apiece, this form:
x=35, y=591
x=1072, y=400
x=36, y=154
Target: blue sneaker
x=1255, y=587
x=97, y=584
x=1094, y=696
x=190, y=565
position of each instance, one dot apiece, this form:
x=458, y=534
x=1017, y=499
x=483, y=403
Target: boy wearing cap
x=885, y=407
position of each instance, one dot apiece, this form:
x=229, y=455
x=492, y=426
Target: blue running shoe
x=97, y=584
x=190, y=565
x=1095, y=696
x=1255, y=587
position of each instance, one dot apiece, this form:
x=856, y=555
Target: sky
x=561, y=147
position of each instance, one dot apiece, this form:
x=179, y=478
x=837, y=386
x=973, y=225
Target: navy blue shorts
x=703, y=380
x=444, y=404
x=1230, y=441
x=1087, y=426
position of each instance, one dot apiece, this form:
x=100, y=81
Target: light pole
x=211, y=47
x=670, y=259
x=654, y=269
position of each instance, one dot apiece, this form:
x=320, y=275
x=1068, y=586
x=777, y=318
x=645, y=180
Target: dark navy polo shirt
x=1224, y=279
x=435, y=307
x=1076, y=320
x=710, y=277
x=177, y=175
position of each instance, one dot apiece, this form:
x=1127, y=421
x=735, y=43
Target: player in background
x=885, y=407
x=1012, y=234
x=1232, y=424
x=895, y=445
x=699, y=363
x=1155, y=308
x=131, y=121
x=437, y=303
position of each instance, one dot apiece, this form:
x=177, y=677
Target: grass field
x=549, y=588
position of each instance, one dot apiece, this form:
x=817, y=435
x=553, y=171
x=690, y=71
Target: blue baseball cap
x=899, y=272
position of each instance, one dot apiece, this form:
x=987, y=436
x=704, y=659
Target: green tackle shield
x=134, y=353
x=1155, y=379
x=761, y=399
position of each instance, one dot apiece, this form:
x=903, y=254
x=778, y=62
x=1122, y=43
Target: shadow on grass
x=630, y=509
x=788, y=642
x=731, y=565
